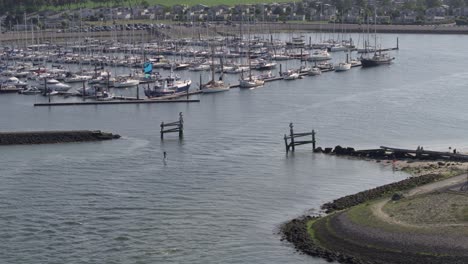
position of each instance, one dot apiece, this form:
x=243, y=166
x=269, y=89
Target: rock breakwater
x=49, y=137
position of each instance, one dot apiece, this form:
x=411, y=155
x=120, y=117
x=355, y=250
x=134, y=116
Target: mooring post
x=162, y=130
x=291, y=132
x=108, y=80
x=181, y=125
x=84, y=91
x=201, y=85
x=281, y=71
x=397, y=44
x=286, y=143
x=313, y=140
x=138, y=92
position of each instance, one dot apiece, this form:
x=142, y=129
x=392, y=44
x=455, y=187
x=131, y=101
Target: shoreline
x=337, y=236
x=181, y=31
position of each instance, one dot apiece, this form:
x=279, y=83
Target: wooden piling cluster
x=388, y=153
x=177, y=126
x=290, y=141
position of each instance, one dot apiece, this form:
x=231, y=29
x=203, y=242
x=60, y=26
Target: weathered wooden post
x=281, y=70
x=181, y=125
x=138, y=92
x=108, y=80
x=162, y=130
x=84, y=91
x=201, y=85
x=286, y=143
x=313, y=140
x=291, y=132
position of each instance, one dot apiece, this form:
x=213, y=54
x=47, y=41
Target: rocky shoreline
x=49, y=137
x=335, y=238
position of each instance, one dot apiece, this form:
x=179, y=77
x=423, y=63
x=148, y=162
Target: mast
x=212, y=65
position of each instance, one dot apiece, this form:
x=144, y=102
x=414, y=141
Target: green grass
x=464, y=215
x=310, y=229
x=362, y=215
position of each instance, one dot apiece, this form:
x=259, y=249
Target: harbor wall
x=48, y=137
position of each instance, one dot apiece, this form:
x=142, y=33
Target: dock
x=141, y=101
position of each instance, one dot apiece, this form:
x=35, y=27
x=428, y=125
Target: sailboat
x=214, y=86
x=344, y=65
x=250, y=82
x=379, y=58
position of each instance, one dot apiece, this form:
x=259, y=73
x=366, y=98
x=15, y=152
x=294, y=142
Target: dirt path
x=377, y=208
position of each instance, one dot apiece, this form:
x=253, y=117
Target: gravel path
x=377, y=208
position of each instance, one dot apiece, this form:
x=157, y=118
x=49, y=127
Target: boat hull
x=373, y=63
x=180, y=88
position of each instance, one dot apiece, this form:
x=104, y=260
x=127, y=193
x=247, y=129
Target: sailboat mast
x=212, y=64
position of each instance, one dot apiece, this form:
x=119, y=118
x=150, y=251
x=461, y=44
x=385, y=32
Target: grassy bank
x=427, y=225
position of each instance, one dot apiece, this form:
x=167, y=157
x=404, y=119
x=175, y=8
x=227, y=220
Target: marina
x=101, y=69
x=223, y=190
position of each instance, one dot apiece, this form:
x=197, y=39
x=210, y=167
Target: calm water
x=228, y=185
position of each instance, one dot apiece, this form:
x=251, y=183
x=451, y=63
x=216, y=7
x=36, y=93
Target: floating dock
x=141, y=101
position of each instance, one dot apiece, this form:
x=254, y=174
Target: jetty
x=395, y=153
x=48, y=137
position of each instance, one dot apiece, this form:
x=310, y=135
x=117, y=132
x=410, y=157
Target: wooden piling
x=179, y=127
x=162, y=130
x=313, y=140
x=291, y=132
x=84, y=91
x=291, y=145
x=138, y=92
x=181, y=124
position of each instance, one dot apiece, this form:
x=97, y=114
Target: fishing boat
x=168, y=86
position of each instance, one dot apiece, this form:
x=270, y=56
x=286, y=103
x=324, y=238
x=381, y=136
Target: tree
x=144, y=3
x=433, y=3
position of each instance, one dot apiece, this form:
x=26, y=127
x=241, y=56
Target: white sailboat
x=214, y=86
